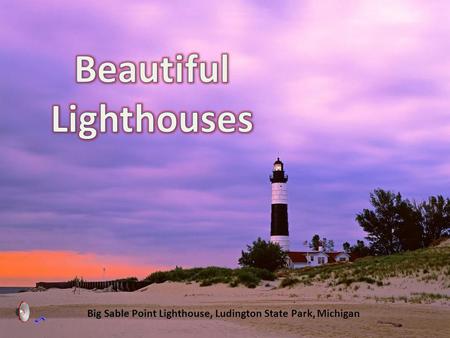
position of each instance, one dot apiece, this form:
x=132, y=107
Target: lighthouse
x=279, y=228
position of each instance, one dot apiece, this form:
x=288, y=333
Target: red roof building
x=300, y=259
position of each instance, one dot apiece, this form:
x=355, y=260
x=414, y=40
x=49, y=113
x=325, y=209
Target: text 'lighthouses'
x=279, y=228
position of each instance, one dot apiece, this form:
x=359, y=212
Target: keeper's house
x=301, y=259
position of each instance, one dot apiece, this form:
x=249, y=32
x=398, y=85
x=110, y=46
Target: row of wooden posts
x=116, y=285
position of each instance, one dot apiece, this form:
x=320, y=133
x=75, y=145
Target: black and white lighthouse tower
x=279, y=227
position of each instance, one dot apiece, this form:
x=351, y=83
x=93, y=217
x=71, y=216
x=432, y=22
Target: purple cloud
x=350, y=101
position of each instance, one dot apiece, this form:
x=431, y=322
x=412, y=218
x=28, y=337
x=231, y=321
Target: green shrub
x=247, y=278
x=234, y=283
x=366, y=279
x=158, y=277
x=262, y=274
x=211, y=272
x=289, y=281
x=252, y=285
x=206, y=282
x=263, y=255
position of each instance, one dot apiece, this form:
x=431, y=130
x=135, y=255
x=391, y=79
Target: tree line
x=395, y=224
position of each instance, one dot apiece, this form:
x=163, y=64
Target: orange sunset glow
x=25, y=268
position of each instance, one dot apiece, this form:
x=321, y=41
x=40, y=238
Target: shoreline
x=6, y=290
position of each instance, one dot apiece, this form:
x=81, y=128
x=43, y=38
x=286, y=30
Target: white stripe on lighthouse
x=283, y=241
x=279, y=193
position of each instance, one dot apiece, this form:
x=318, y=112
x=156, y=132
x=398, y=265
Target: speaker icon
x=23, y=311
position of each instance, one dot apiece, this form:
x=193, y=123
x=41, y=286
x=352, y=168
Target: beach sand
x=66, y=312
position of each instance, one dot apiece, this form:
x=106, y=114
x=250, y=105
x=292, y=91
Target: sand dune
x=67, y=313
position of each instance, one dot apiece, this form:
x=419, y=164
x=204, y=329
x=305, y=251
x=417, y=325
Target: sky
x=350, y=95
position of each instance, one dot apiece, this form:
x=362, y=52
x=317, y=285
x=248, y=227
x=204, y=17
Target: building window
x=321, y=260
x=312, y=258
x=342, y=259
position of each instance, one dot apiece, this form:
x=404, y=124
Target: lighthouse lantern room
x=279, y=230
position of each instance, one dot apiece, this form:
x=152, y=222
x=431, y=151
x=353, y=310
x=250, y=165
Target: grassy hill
x=424, y=264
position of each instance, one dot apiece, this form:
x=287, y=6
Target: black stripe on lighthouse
x=279, y=224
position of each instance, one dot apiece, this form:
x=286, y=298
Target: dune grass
x=250, y=277
x=430, y=264
x=414, y=298
x=425, y=264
